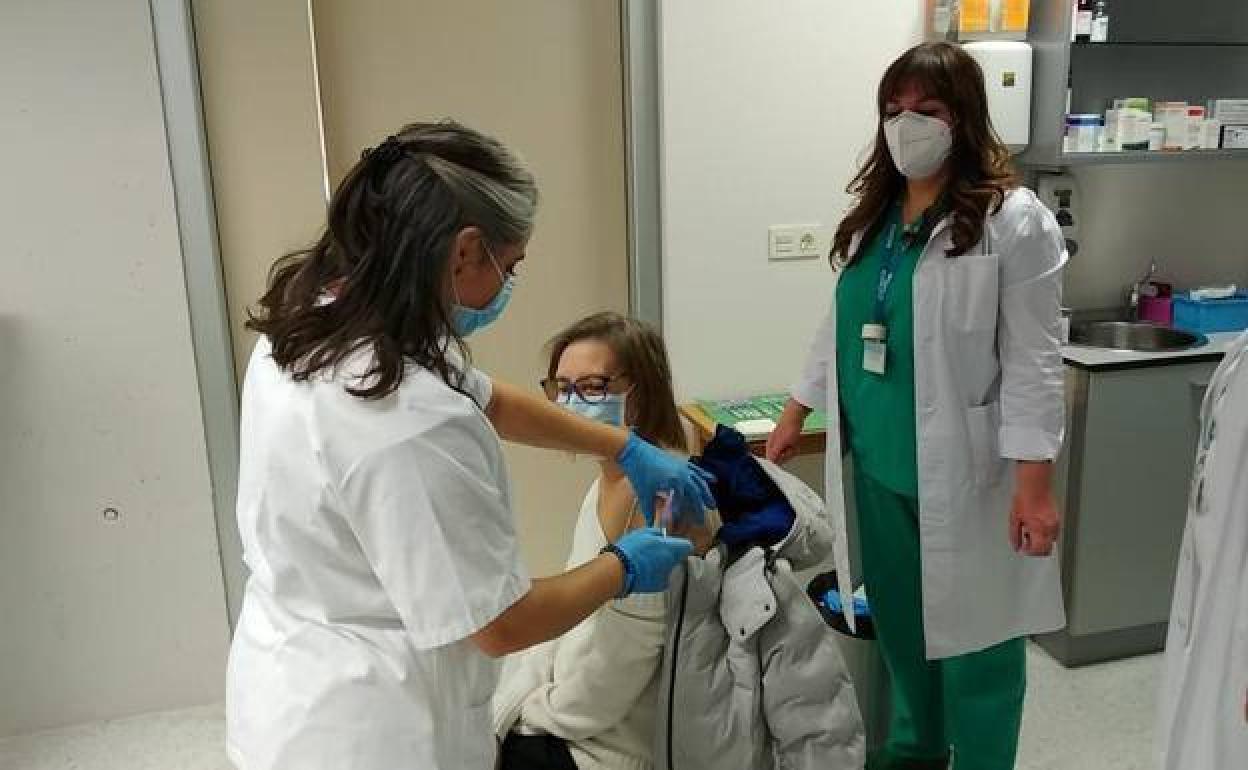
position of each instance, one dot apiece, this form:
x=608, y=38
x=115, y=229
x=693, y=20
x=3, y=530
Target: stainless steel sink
x=1126, y=335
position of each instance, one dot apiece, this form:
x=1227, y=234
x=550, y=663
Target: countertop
x=1102, y=359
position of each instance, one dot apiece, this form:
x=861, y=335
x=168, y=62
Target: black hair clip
x=385, y=153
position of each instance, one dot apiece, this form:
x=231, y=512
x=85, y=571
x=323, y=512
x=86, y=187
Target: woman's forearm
x=529, y=419
x=795, y=410
x=552, y=607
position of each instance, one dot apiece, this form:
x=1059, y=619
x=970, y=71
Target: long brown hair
x=386, y=254
x=981, y=172
x=641, y=357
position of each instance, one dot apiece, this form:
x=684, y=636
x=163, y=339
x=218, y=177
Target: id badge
x=874, y=356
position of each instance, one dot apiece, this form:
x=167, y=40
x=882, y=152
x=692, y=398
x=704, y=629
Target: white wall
x=1189, y=217
x=766, y=108
x=99, y=405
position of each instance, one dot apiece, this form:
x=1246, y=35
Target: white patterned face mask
x=920, y=145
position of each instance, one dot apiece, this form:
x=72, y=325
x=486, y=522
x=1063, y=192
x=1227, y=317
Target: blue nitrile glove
x=649, y=558
x=651, y=470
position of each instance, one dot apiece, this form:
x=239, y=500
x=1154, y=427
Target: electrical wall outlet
x=1060, y=193
x=797, y=242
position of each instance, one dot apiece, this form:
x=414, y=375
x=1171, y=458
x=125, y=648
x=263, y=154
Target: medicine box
x=1235, y=137
x=1230, y=105
x=1231, y=111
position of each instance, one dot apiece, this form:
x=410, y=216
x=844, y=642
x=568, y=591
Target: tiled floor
x=1091, y=718
x=1094, y=718
x=180, y=740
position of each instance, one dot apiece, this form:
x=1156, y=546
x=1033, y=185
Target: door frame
x=186, y=137
x=642, y=111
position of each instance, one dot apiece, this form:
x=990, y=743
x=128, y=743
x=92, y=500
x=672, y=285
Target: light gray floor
x=1098, y=717
x=1094, y=718
x=179, y=740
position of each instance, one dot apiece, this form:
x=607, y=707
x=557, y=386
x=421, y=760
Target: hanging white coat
x=1203, y=722
x=989, y=391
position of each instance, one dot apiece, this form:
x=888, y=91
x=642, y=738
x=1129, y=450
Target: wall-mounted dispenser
x=1007, y=79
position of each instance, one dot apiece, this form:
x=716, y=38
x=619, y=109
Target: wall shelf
x=1148, y=156
x=1159, y=44
x=1159, y=50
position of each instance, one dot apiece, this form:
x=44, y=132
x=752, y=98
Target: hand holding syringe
x=663, y=510
x=693, y=527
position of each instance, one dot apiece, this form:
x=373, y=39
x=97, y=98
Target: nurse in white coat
x=374, y=504
x=939, y=366
x=1204, y=698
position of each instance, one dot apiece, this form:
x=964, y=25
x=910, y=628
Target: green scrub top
x=878, y=410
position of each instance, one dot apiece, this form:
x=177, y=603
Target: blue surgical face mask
x=468, y=320
x=609, y=411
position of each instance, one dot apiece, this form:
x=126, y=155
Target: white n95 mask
x=919, y=144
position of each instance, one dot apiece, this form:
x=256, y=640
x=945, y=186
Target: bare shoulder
x=618, y=511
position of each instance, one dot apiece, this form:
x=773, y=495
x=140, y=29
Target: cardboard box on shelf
x=1235, y=137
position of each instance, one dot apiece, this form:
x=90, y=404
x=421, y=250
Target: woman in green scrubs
x=941, y=364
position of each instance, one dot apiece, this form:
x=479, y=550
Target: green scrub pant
x=972, y=704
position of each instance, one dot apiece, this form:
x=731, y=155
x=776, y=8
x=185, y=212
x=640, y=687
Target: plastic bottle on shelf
x=1194, y=139
x=1014, y=15
x=1133, y=129
x=1100, y=22
x=942, y=19
x=973, y=16
x=1210, y=134
x=1083, y=133
x=1173, y=115
x=1083, y=21
x=1111, y=137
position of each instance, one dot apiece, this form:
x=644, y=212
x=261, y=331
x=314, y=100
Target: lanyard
x=894, y=249
x=887, y=271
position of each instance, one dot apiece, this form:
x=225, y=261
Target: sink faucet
x=1137, y=288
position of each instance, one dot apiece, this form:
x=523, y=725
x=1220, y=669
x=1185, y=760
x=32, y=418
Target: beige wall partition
x=545, y=77
x=259, y=91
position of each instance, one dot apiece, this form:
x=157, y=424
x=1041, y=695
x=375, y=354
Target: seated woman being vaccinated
x=587, y=699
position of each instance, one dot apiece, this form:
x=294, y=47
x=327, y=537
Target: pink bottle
x=1156, y=306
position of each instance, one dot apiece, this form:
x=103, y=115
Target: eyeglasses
x=591, y=390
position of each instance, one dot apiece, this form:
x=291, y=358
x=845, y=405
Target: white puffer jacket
x=752, y=677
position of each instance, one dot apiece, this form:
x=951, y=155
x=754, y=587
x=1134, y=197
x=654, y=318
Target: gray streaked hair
x=501, y=199
x=386, y=252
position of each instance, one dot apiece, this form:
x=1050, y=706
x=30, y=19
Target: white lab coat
x=1202, y=722
x=379, y=535
x=989, y=389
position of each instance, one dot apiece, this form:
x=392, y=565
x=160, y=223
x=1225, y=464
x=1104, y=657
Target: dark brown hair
x=981, y=172
x=385, y=254
x=641, y=357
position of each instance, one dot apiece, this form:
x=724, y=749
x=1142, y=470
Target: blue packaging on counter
x=1208, y=316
